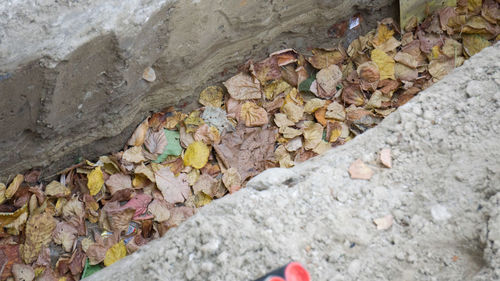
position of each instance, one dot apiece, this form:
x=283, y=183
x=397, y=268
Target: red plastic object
x=276, y=278
x=294, y=271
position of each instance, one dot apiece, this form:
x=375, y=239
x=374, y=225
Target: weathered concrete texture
x=70, y=71
x=443, y=192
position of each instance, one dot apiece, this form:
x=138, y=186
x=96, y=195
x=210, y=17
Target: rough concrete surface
x=70, y=71
x=443, y=192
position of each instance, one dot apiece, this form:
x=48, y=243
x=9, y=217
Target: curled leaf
x=323, y=58
x=134, y=155
x=137, y=138
x=14, y=186
x=159, y=209
x=369, y=74
x=56, y=189
x=313, y=133
x=155, y=141
x=293, y=111
x=38, y=235
x=335, y=111
x=328, y=79
x=65, y=234
x=231, y=179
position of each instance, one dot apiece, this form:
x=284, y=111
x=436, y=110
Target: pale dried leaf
x=243, y=87
x=328, y=79
x=56, y=189
x=118, y=182
x=205, y=184
x=65, y=234
x=155, y=142
x=385, y=157
x=253, y=115
x=174, y=189
x=335, y=111
x=359, y=170
x=313, y=104
x=293, y=111
x=23, y=272
x=384, y=222
x=281, y=120
x=14, y=186
x=289, y=133
x=231, y=179
x=313, y=133
x=159, y=209
x=137, y=138
x=134, y=155
x=38, y=235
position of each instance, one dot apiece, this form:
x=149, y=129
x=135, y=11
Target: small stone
x=149, y=74
x=440, y=213
x=385, y=157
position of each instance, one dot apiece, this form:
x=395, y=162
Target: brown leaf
x=205, y=184
x=444, y=16
x=32, y=176
x=139, y=135
x=352, y=95
x=155, y=142
x=247, y=150
x=359, y=170
x=405, y=73
x=134, y=155
x=178, y=215
x=385, y=157
x=313, y=133
x=328, y=79
x=9, y=255
x=427, y=41
x=65, y=234
x=323, y=58
x=118, y=182
x=369, y=75
x=406, y=59
x=491, y=11
x=207, y=134
x=119, y=218
x=388, y=86
x=23, y=272
x=243, y=87
x=231, y=179
x=253, y=115
x=266, y=70
x=285, y=57
x=406, y=96
x=160, y=210
x=77, y=261
x=74, y=212
x=174, y=189
x=440, y=68
x=38, y=235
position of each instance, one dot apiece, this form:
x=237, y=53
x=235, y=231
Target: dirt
x=442, y=192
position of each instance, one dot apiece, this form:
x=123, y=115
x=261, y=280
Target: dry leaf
x=193, y=121
x=174, y=189
x=328, y=79
x=405, y=73
x=56, y=189
x=352, y=95
x=23, y=272
x=369, y=74
x=390, y=45
x=201, y=199
x=384, y=223
x=383, y=34
x=115, y=253
x=335, y=111
x=139, y=135
x=205, y=184
x=359, y=170
x=140, y=204
x=253, y=115
x=155, y=142
x=119, y=217
x=285, y=57
x=207, y=134
x=247, y=149
x=134, y=155
x=385, y=157
x=281, y=120
x=231, y=179
x=38, y=235
x=283, y=157
x=314, y=104
x=159, y=209
x=243, y=87
x=149, y=74
x=178, y=215
x=95, y=180
x=196, y=155
x=65, y=234
x=406, y=59
x=212, y=96
x=474, y=43
x=313, y=133
x=74, y=212
x=293, y=111
x=266, y=70
x=323, y=58
x=289, y=133
x=275, y=88
x=14, y=186
x=385, y=64
x=118, y=182
x=322, y=147
x=145, y=171
x=294, y=144
x=3, y=189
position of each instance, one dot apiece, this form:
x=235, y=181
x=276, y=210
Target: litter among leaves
x=277, y=112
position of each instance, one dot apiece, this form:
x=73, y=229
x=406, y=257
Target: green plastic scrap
x=90, y=269
x=173, y=146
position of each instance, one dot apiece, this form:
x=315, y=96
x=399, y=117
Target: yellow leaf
x=115, y=253
x=2, y=192
x=383, y=34
x=473, y=43
x=196, y=155
x=435, y=52
x=385, y=64
x=201, y=199
x=276, y=88
x=253, y=115
x=474, y=5
x=13, y=186
x=212, y=96
x=313, y=104
x=193, y=121
x=95, y=181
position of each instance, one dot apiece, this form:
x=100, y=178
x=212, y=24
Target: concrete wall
x=70, y=72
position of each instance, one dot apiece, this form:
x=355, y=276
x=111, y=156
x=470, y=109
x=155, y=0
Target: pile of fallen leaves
x=274, y=113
